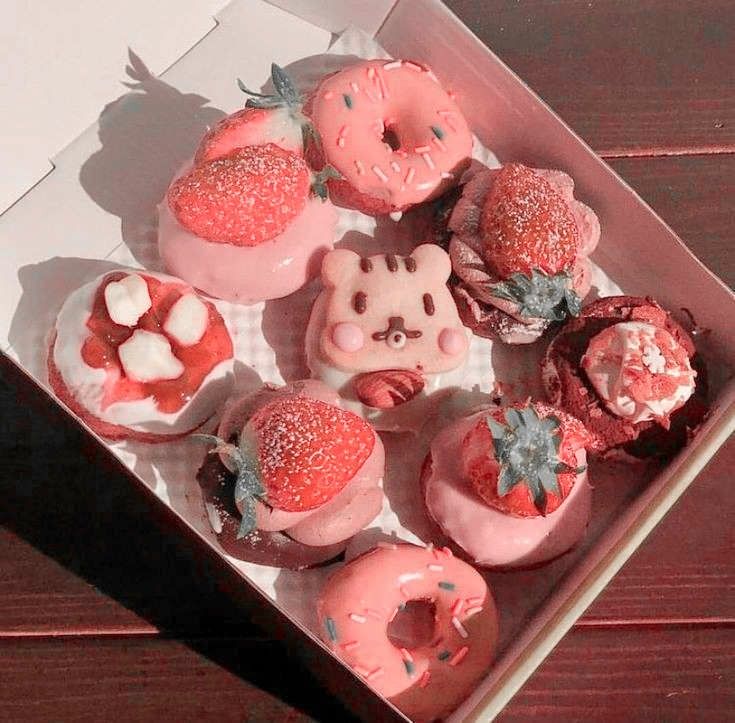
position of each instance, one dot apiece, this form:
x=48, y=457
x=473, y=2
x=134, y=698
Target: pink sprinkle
x=392, y=65
x=409, y=176
x=376, y=673
x=396, y=168
x=430, y=73
x=473, y=611
x=459, y=656
x=474, y=600
x=428, y=160
x=447, y=174
x=459, y=627
x=364, y=672
x=404, y=592
x=406, y=655
x=355, y=87
x=456, y=608
x=360, y=168
x=371, y=72
x=374, y=614
x=358, y=618
x=439, y=143
x=413, y=66
x=351, y=645
x=424, y=680
x=328, y=95
x=436, y=568
x=422, y=149
x=378, y=171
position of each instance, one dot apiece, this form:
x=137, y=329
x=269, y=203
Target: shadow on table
x=62, y=495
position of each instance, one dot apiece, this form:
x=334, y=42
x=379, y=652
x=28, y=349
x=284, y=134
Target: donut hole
x=414, y=625
x=390, y=137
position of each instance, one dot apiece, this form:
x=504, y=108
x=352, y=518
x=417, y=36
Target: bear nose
x=396, y=335
x=396, y=340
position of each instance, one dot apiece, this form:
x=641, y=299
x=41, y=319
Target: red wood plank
x=602, y=675
x=649, y=76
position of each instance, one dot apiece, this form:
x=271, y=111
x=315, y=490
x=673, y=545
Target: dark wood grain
x=660, y=675
x=642, y=77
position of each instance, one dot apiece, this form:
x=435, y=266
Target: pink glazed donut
x=393, y=133
x=429, y=677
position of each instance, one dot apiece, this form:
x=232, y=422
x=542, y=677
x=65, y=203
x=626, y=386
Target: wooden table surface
x=104, y=616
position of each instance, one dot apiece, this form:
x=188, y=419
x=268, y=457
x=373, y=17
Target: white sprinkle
x=360, y=168
x=413, y=66
x=459, y=627
x=436, y=568
x=428, y=160
x=392, y=65
x=409, y=176
x=355, y=87
x=378, y=171
x=447, y=174
x=357, y=618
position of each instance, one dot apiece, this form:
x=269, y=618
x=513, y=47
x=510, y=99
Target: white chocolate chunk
x=187, y=320
x=127, y=300
x=147, y=357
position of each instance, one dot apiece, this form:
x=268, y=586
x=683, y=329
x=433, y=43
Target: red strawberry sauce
x=100, y=349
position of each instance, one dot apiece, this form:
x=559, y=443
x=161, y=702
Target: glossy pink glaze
x=248, y=274
x=351, y=110
x=348, y=337
x=362, y=597
x=490, y=537
x=356, y=505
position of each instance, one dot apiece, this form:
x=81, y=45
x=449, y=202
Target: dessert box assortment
x=97, y=211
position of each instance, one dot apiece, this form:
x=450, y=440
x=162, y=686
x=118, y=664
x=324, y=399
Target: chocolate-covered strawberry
x=519, y=251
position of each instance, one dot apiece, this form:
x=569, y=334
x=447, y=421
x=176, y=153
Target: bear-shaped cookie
x=385, y=333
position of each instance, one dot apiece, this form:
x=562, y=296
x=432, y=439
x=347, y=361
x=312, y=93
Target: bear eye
x=359, y=302
x=429, y=305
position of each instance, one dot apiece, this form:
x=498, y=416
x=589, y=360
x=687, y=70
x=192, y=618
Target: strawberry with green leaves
x=523, y=460
x=295, y=454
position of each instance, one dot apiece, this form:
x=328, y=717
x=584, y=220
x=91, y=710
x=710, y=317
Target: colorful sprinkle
x=383, y=87
x=409, y=176
x=392, y=65
x=428, y=160
x=422, y=149
x=371, y=72
x=472, y=611
x=447, y=116
x=439, y=144
x=355, y=87
x=456, y=608
x=358, y=618
x=351, y=645
x=328, y=95
x=424, y=680
x=360, y=168
x=410, y=667
x=446, y=551
x=435, y=568
x=370, y=96
x=413, y=66
x=446, y=585
x=444, y=655
x=437, y=131
x=331, y=629
x=340, y=142
x=378, y=171
x=375, y=673
x=405, y=592
x=347, y=99
x=459, y=656
x=406, y=655
x=474, y=600
x=374, y=614
x=393, y=616
x=396, y=168
x=447, y=174
x=459, y=627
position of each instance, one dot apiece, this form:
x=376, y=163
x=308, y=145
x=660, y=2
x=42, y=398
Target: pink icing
x=452, y=342
x=493, y=538
x=360, y=600
x=352, y=109
x=247, y=275
x=348, y=337
x=356, y=505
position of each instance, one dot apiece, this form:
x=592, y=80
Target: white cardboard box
x=76, y=215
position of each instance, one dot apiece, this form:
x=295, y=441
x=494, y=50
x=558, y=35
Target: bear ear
x=432, y=263
x=339, y=265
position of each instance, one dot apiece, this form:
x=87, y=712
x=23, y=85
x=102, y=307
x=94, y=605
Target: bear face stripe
x=366, y=265
x=391, y=262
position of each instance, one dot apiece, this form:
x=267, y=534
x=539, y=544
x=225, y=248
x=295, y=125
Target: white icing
x=187, y=320
x=127, y=300
x=87, y=384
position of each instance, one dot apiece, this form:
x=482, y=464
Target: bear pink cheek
x=452, y=341
x=348, y=337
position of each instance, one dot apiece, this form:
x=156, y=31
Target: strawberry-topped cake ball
x=295, y=476
x=247, y=220
x=510, y=486
x=139, y=355
x=519, y=248
x=631, y=373
x=395, y=136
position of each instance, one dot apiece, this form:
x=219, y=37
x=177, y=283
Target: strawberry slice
x=526, y=224
x=244, y=198
x=522, y=460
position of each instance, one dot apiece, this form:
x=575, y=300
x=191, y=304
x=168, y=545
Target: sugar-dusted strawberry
x=295, y=454
x=244, y=198
x=275, y=118
x=530, y=241
x=522, y=460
